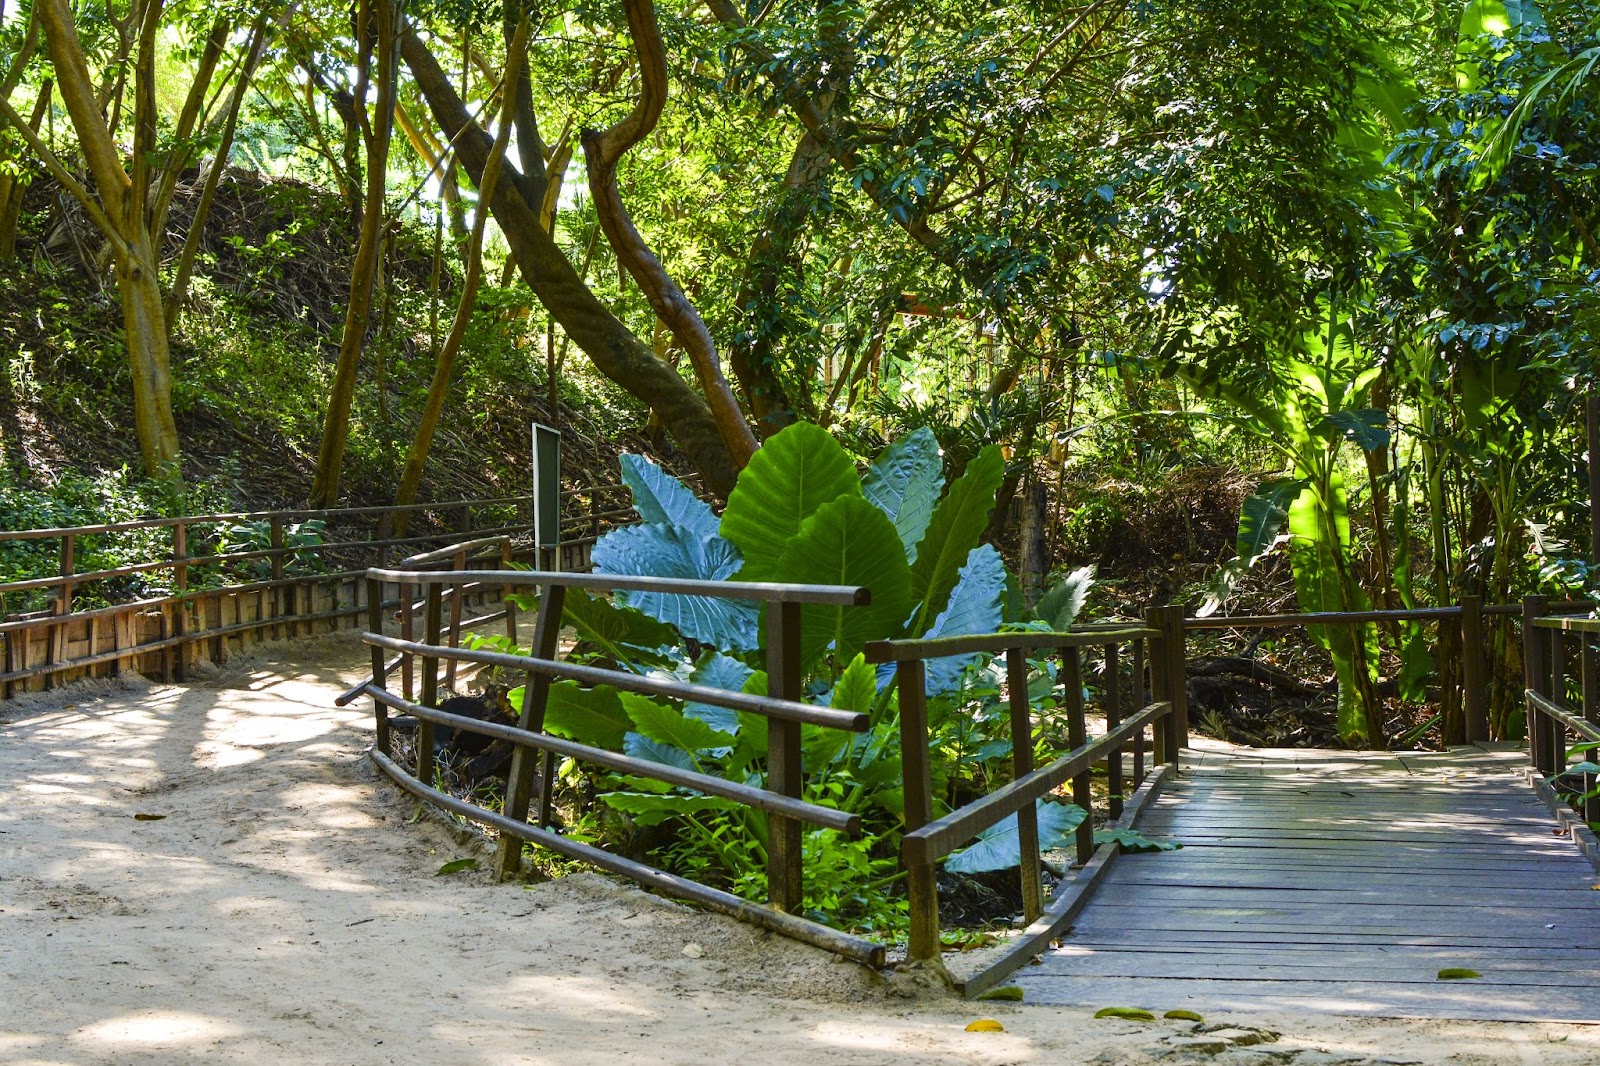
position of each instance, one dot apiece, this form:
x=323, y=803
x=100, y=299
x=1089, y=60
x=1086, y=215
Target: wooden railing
x=197, y=596
x=1552, y=647
x=928, y=840
x=529, y=786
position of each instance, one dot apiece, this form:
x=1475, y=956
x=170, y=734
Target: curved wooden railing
x=529, y=783
x=196, y=598
x=928, y=840
x=1561, y=661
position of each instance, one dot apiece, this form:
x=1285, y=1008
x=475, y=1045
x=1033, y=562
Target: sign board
x=546, y=486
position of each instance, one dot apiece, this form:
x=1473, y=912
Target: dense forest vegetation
x=1328, y=265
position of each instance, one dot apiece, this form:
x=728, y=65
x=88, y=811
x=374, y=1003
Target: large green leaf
x=647, y=808
x=904, y=483
x=797, y=471
x=848, y=542
x=662, y=499
x=1261, y=519
x=856, y=690
x=1319, y=544
x=642, y=747
x=1059, y=607
x=716, y=670
x=615, y=629
x=668, y=725
x=974, y=607
x=999, y=846
x=958, y=522
x=592, y=716
x=671, y=551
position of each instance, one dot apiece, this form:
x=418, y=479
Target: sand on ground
x=285, y=908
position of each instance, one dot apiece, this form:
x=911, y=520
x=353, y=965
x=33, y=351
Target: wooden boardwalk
x=1342, y=882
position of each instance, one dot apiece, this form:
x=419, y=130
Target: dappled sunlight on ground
x=277, y=905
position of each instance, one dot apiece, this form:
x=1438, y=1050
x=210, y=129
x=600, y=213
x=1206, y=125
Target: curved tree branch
x=602, y=150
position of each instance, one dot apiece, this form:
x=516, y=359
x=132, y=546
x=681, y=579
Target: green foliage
x=788, y=480
x=997, y=847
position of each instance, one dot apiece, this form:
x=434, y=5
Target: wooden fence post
x=922, y=888
x=1535, y=676
x=1077, y=737
x=56, y=647
x=535, y=696
x=785, y=775
x=506, y=592
x=1556, y=731
x=459, y=561
x=180, y=609
x=1021, y=766
x=1140, y=702
x=1474, y=686
x=380, y=676
x=278, y=590
x=1178, y=668
x=433, y=624
x=1168, y=676
x=1589, y=671
x=408, y=631
x=1114, y=719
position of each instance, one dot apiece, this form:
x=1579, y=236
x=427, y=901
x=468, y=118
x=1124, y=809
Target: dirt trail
x=282, y=909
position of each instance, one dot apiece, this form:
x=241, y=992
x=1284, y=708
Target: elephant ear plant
x=800, y=512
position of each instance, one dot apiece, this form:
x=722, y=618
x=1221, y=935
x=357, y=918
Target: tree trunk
x=602, y=151
x=139, y=286
x=439, y=387
x=613, y=349
x=364, y=271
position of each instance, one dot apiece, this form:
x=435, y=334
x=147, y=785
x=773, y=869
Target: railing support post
x=56, y=648
x=1536, y=677
x=1589, y=668
x=1077, y=737
x=1021, y=765
x=1114, y=719
x=535, y=697
x=180, y=608
x=430, y=682
x=922, y=888
x=785, y=775
x=1140, y=702
x=380, y=676
x=1169, y=670
x=1474, y=685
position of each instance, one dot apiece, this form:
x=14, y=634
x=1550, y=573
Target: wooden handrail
x=765, y=591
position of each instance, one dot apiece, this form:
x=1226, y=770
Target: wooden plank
x=1479, y=1000
x=1343, y=882
x=1390, y=970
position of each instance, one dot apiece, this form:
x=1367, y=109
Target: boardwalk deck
x=1342, y=882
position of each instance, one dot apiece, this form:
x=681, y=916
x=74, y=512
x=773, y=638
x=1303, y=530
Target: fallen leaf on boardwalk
x=148, y=817
x=1131, y=1014
x=1011, y=993
x=986, y=1025
x=1458, y=974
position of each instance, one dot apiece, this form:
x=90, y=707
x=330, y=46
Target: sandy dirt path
x=284, y=909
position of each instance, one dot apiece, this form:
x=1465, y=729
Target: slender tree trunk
x=439, y=387
x=219, y=166
x=118, y=209
x=383, y=17
x=12, y=190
